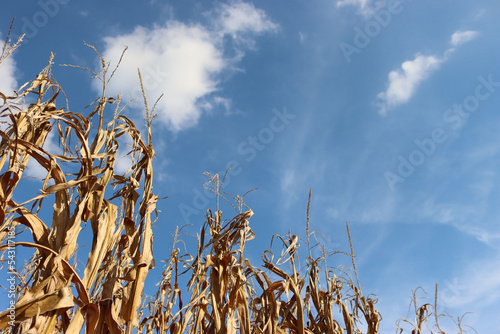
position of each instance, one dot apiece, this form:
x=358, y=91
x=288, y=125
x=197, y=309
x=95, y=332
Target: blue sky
x=388, y=110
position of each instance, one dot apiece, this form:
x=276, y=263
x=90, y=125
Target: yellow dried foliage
x=109, y=294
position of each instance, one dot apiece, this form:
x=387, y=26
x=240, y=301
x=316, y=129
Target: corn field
x=225, y=292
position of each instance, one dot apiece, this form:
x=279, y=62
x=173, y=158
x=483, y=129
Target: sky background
x=388, y=110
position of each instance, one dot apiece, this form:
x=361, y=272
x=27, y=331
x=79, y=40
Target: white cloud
x=177, y=60
x=462, y=37
x=365, y=7
x=123, y=161
x=404, y=82
x=8, y=82
x=7, y=72
x=241, y=17
x=183, y=61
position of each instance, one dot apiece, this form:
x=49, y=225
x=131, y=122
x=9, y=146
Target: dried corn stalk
x=78, y=185
x=230, y=295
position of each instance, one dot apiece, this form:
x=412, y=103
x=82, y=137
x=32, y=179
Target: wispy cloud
x=479, y=285
x=473, y=289
x=365, y=7
x=462, y=37
x=485, y=236
x=403, y=82
x=289, y=184
x=183, y=61
x=302, y=37
x=469, y=219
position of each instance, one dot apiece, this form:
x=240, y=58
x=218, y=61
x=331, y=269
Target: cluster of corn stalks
x=225, y=293
x=52, y=296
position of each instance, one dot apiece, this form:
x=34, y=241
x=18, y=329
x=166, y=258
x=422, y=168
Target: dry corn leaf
x=60, y=299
